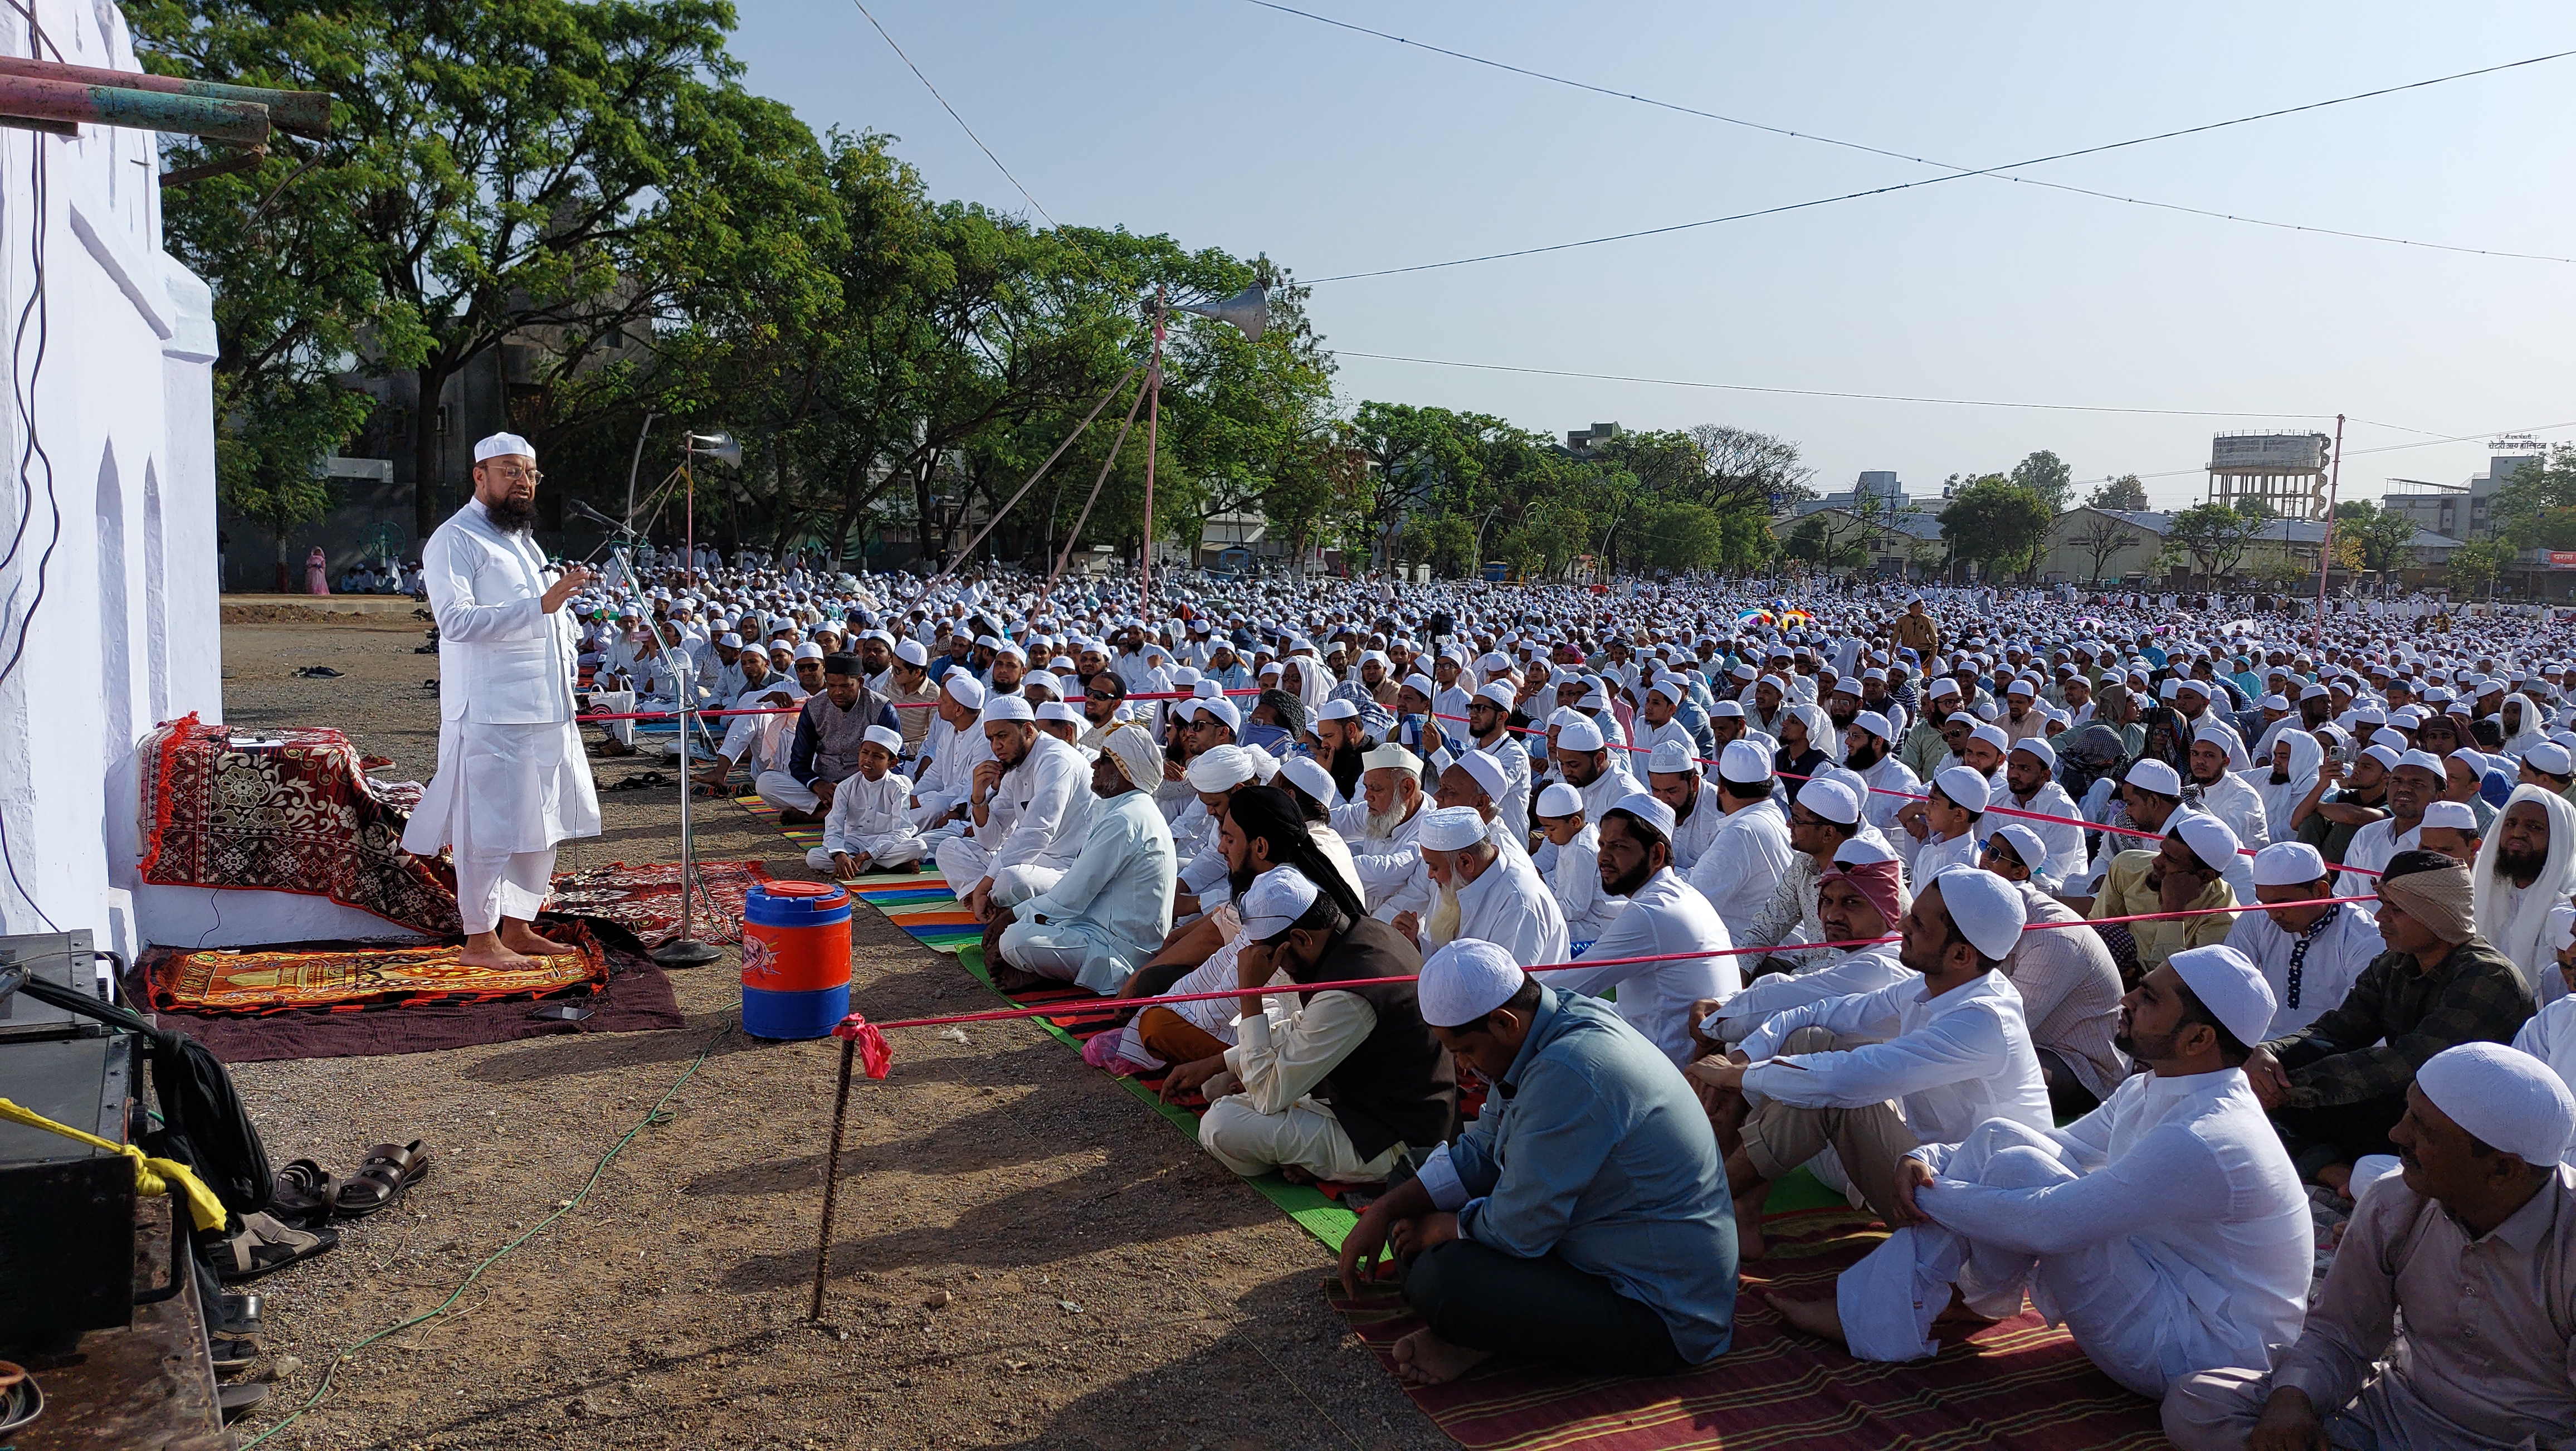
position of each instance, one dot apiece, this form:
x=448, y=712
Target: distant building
x=2119, y=546
x=1895, y=544
x=1579, y=441
x=1876, y=491
x=2459, y=512
x=2286, y=471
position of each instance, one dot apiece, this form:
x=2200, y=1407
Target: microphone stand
x=684, y=950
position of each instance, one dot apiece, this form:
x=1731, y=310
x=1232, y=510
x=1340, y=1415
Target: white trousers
x=785, y=793
x=963, y=861
x=514, y=885
x=1014, y=885
x=1306, y=1134
x=889, y=850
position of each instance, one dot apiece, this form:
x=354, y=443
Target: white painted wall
x=112, y=588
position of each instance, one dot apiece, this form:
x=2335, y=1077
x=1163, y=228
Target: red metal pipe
x=298, y=113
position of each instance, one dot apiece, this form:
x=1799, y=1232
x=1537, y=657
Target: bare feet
x=2337, y=1177
x=484, y=949
x=1958, y=1313
x=1822, y=1319
x=1295, y=1175
x=1424, y=1359
x=1749, y=1244
x=518, y=936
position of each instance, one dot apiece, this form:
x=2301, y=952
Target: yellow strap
x=152, y=1177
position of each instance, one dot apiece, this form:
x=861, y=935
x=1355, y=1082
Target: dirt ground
x=1025, y=1255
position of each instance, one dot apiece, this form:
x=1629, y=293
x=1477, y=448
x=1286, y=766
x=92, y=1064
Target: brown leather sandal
x=380, y=1182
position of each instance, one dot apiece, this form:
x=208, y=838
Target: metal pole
x=689, y=511
x=635, y=463
x=1153, y=416
x=2325, y=554
x=832, y=1177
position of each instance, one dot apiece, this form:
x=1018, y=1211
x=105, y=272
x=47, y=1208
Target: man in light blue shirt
x=1112, y=908
x=1582, y=1220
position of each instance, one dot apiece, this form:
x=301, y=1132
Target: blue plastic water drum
x=795, y=959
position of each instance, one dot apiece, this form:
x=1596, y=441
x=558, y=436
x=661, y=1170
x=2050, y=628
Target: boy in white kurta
x=869, y=828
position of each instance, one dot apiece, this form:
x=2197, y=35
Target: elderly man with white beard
x=2526, y=866
x=512, y=780
x=1380, y=826
x=1484, y=892
x=1030, y=791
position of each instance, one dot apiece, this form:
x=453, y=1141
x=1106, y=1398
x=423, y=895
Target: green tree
x=2385, y=538
x=2538, y=506
x=1826, y=542
x=2101, y=536
x=2045, y=474
x=2127, y=493
x=2477, y=564
x=2215, y=536
x=1996, y=522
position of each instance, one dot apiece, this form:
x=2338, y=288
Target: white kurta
x=870, y=818
x=1740, y=871
x=1512, y=908
x=2067, y=859
x=1665, y=916
x=512, y=780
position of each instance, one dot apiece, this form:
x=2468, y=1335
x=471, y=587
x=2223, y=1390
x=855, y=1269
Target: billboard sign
x=2560, y=558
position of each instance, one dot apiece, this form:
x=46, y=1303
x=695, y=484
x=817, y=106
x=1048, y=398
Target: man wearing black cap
x=830, y=728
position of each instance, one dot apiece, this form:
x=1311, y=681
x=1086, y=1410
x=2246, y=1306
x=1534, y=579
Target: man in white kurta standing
x=512, y=780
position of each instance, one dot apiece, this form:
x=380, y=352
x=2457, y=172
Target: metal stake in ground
x=832, y=1176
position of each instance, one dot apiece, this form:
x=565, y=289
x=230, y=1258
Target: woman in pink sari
x=317, y=572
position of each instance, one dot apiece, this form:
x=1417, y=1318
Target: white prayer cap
x=1831, y=800
x=1451, y=828
x=1308, y=775
x=2208, y=837
x=2039, y=746
x=2509, y=1100
x=1861, y=851
x=1000, y=707
x=2025, y=844
x=1671, y=757
x=1465, y=980
x=1559, y=799
x=2395, y=742
x=1984, y=907
x=1337, y=710
x=1876, y=724
x=1391, y=757
x=501, y=445
x=2288, y=864
x=2386, y=756
x=2021, y=686
x=1648, y=810
x=1843, y=685
x=1582, y=735
x=1944, y=685
x=965, y=690
x=2422, y=761
x=885, y=736
x=809, y=651
x=1058, y=710
x=2562, y=927
x=1042, y=679
x=1421, y=685
x=2276, y=702
x=2231, y=987
x=1274, y=902
x=1498, y=692
x=1487, y=771
x=2549, y=758
x=1220, y=708
x=1730, y=709
x=2454, y=815
x=2154, y=775
x=1991, y=736
x=1744, y=763
x=1964, y=785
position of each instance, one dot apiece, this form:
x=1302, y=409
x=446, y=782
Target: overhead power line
x=1956, y=171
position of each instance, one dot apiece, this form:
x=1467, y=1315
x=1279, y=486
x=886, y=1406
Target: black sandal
x=380, y=1182
x=262, y=1246
x=304, y=1194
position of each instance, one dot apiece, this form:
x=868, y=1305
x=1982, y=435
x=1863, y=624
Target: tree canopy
x=2001, y=524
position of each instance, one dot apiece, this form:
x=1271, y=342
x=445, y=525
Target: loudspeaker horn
x=717, y=445
x=1248, y=310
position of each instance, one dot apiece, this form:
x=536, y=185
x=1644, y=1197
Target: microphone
x=587, y=512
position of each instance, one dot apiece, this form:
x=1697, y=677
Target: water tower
x=2285, y=470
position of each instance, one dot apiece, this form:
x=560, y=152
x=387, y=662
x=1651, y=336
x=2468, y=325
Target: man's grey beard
x=512, y=517
x=1382, y=824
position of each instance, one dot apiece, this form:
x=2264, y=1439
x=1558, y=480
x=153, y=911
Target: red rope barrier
x=1103, y=1007
x=792, y=709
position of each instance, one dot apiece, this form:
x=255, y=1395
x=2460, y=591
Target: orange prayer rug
x=259, y=980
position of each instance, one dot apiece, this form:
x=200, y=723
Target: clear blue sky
x=1224, y=124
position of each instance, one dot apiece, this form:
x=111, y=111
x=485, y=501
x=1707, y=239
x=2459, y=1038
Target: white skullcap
x=2025, y=844
x=1992, y=736
x=2422, y=761
x=1726, y=709
x=965, y=690
x=1986, y=909
x=2287, y=864
x=811, y=651
x=1274, y=902
x=1058, y=710
x=1451, y=828
x=2156, y=776
x=1337, y=710
x=1219, y=707
x=1044, y=680
x=1497, y=692
x=2454, y=815
x=501, y=445
x=1000, y=707
x=1944, y=685
x=2509, y=1100
x=1308, y=775
x=1831, y=800
x=1875, y=723
x=2562, y=927
x=2039, y=746
x=911, y=652
x=1465, y=980
x=2021, y=687
x=1559, y=799
x=885, y=736
x=1392, y=757
x=2231, y=987
x=2395, y=742
x=2386, y=756
x=2549, y=758
x=1744, y=763
x=2276, y=702
x=2313, y=692
x=1421, y=685
x=1671, y=757
x=2208, y=837
x=729, y=640
x=1138, y=758
x=1220, y=768
x=1964, y=785
x=1648, y=810
x=1861, y=851
x=1582, y=735
x=1487, y=771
